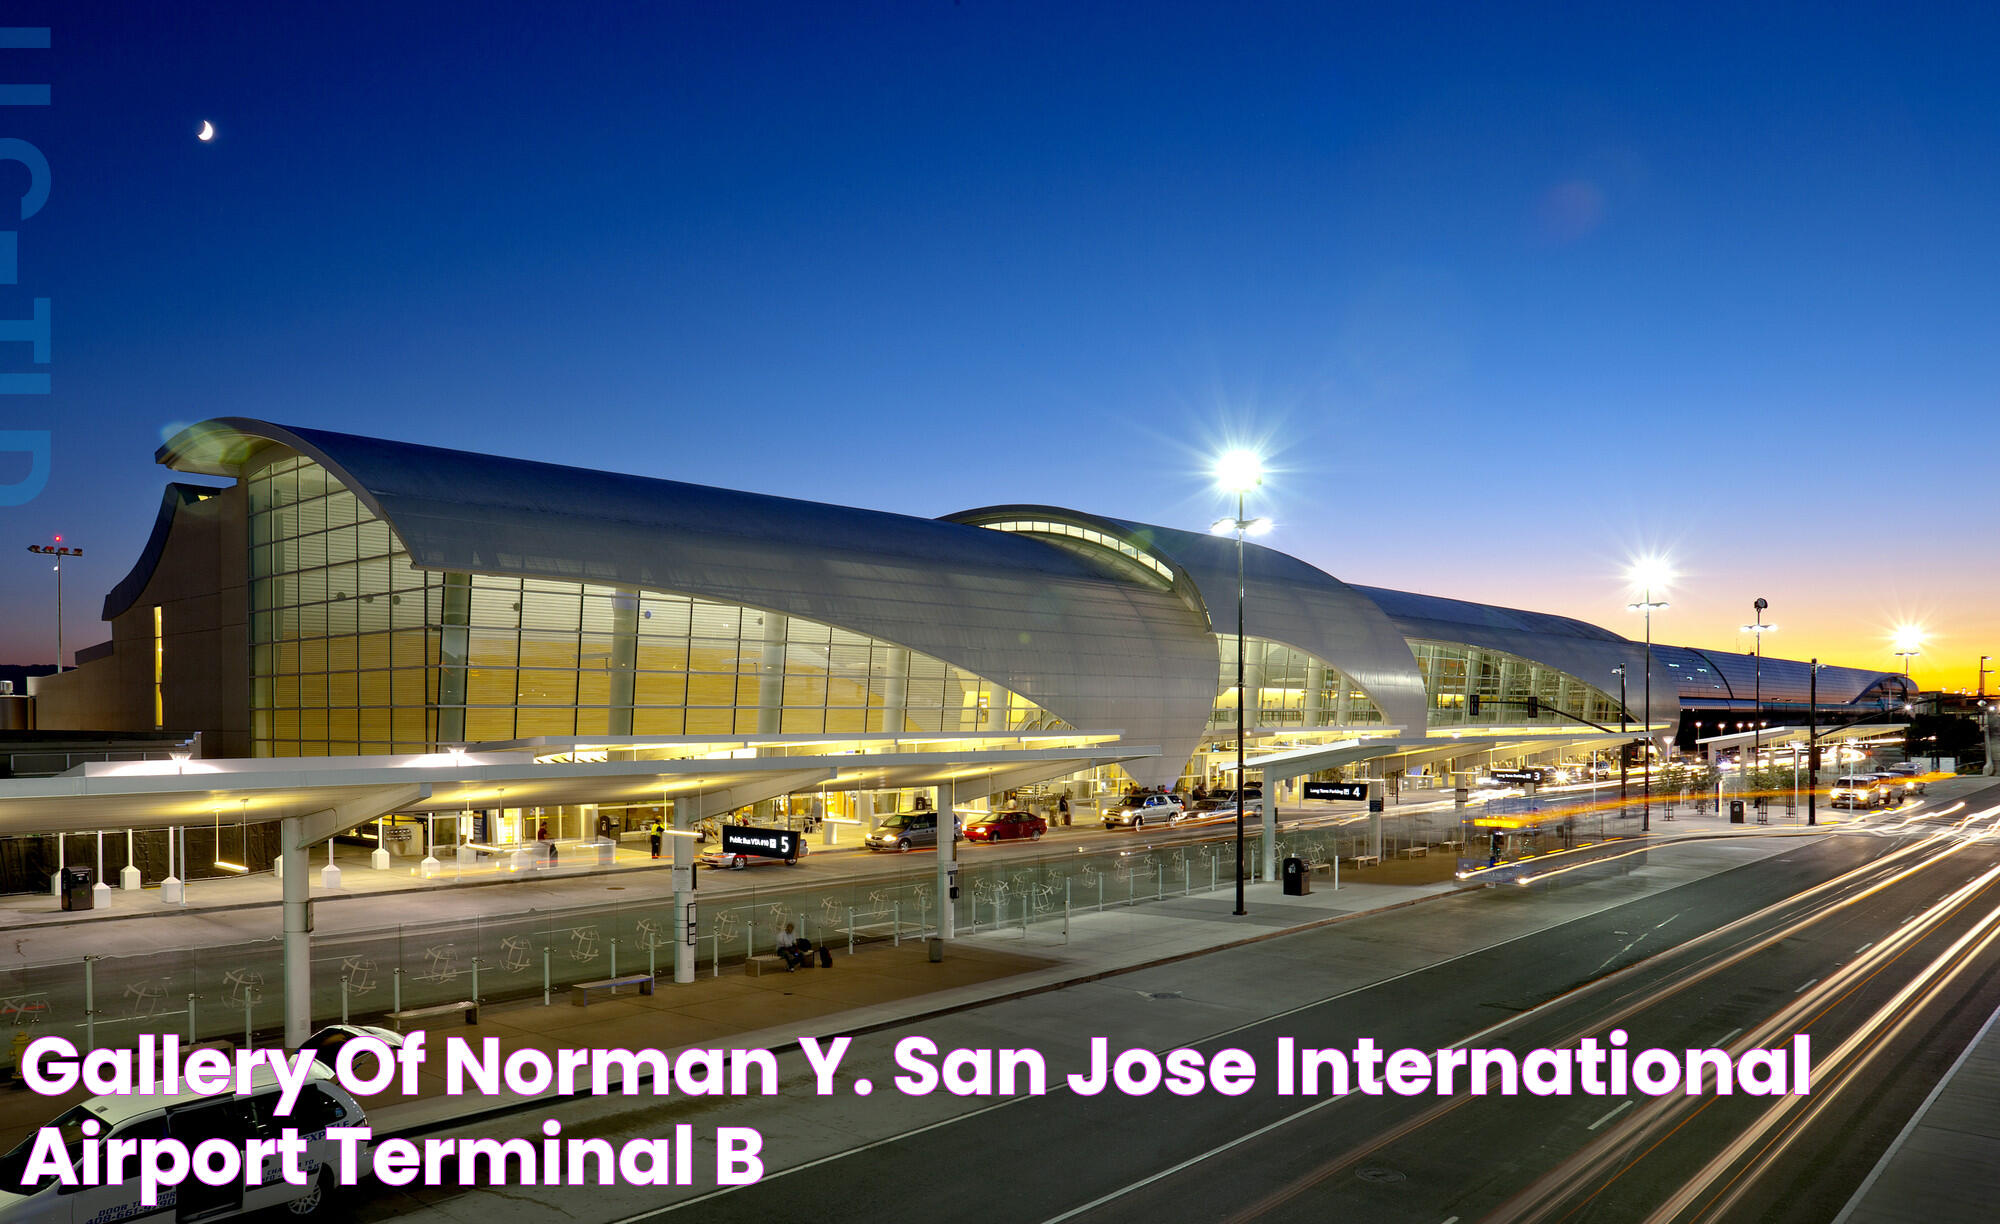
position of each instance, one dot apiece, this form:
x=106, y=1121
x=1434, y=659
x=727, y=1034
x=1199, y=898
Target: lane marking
x=1724, y=1040
x=1099, y=1201
x=1665, y=923
x=1802, y=989
x=1615, y=1111
x=1864, y=947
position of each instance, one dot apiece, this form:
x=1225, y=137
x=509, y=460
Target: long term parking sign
x=761, y=843
x=1353, y=791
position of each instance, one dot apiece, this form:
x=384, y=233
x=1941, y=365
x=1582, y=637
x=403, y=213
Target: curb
x=490, y=1112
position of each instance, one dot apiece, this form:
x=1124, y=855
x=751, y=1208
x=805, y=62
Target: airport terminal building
x=341, y=595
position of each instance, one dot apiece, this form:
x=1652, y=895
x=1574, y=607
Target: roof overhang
x=160, y=794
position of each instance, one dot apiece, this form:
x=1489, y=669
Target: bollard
x=652, y=969
x=1336, y=869
x=1100, y=892
x=396, y=983
x=191, y=998
x=1024, y=916
x=89, y=1003
x=896, y=914
x=475, y=979
x=343, y=998
x=614, y=956
x=749, y=940
x=545, y=975
x=1159, y=881
x=850, y=930
x=715, y=958
x=246, y=1019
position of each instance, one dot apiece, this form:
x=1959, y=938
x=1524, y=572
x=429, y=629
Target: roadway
x=1879, y=942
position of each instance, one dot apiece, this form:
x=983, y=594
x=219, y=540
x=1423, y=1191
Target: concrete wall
x=200, y=585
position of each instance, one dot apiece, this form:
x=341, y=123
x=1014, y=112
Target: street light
x=1908, y=638
x=57, y=551
x=1238, y=472
x=1760, y=629
x=1623, y=712
x=1985, y=715
x=1647, y=573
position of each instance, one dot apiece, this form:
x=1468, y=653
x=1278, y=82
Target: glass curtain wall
x=1453, y=672
x=354, y=650
x=1292, y=690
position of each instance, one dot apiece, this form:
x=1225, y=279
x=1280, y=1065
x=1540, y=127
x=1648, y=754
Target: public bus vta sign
x=760, y=843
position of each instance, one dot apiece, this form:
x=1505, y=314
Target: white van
x=189, y=1117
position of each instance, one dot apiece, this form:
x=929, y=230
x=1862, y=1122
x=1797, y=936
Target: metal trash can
x=76, y=889
x=1735, y=811
x=1298, y=880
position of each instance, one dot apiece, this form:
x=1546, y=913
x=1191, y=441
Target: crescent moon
x=207, y=131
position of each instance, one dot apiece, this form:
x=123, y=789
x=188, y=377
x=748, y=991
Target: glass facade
x=1070, y=533
x=1504, y=682
x=355, y=650
x=1293, y=690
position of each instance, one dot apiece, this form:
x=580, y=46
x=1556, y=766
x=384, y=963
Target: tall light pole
x=1908, y=638
x=1646, y=575
x=1757, y=674
x=1985, y=715
x=58, y=551
x=1623, y=755
x=1812, y=744
x=1238, y=472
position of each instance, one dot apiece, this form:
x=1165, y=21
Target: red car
x=1006, y=826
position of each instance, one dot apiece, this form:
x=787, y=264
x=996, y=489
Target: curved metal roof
x=133, y=585
x=1072, y=636
x=1285, y=600
x=1585, y=651
x=1723, y=676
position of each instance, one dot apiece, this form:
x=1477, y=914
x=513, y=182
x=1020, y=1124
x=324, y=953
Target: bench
x=1365, y=860
x=468, y=1006
x=1450, y=843
x=579, y=994
x=1414, y=851
x=1323, y=865
x=756, y=966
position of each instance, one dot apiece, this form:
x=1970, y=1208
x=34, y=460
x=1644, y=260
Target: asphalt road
x=149, y=976
x=1878, y=943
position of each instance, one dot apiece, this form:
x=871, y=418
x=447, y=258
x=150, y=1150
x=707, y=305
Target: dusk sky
x=1508, y=296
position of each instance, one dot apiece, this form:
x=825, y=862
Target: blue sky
x=1508, y=296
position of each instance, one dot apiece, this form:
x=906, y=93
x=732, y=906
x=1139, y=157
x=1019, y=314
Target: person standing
x=1062, y=809
x=654, y=832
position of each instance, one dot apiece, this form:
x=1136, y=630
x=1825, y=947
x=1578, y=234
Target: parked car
x=326, y=1043
x=737, y=862
x=909, y=831
x=1911, y=771
x=1225, y=801
x=189, y=1117
x=1898, y=786
x=1858, y=791
x=1138, y=812
x=1006, y=826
